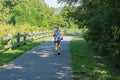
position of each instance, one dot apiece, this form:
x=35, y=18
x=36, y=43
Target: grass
x=9, y=55
x=88, y=64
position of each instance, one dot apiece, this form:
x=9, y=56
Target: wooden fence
x=22, y=39
x=19, y=39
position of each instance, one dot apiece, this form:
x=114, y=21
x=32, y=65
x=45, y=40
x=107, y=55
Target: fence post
x=9, y=44
x=18, y=39
x=29, y=36
x=24, y=38
x=33, y=35
x=41, y=34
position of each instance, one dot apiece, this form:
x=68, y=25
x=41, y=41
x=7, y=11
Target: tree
x=6, y=10
x=68, y=13
x=102, y=20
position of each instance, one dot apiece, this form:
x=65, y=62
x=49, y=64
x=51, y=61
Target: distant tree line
x=33, y=12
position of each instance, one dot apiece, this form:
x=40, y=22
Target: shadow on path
x=40, y=63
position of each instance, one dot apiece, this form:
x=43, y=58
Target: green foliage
x=88, y=65
x=6, y=10
x=33, y=12
x=103, y=27
x=102, y=19
x=67, y=13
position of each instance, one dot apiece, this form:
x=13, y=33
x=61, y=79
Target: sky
x=52, y=3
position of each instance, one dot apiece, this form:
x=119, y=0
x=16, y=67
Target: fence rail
x=19, y=39
x=22, y=39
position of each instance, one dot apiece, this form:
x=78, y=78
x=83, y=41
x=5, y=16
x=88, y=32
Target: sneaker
x=58, y=53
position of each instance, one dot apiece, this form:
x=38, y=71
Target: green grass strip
x=89, y=65
x=9, y=55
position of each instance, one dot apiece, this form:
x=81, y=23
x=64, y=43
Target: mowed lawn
x=88, y=64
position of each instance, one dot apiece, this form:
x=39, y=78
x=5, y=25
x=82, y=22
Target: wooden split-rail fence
x=19, y=39
x=22, y=39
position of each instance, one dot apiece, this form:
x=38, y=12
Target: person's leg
x=58, y=48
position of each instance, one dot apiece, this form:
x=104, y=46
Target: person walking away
x=58, y=36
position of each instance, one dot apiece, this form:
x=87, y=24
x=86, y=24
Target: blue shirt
x=57, y=36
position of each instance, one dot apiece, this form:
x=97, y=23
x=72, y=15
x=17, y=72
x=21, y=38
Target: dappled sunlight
x=56, y=64
x=41, y=63
x=62, y=71
x=83, y=67
x=45, y=55
x=12, y=66
x=88, y=64
x=67, y=67
x=101, y=72
x=81, y=38
x=67, y=38
x=61, y=74
x=101, y=64
x=12, y=51
x=97, y=57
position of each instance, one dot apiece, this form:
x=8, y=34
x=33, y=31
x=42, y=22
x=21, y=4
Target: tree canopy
x=33, y=12
x=102, y=19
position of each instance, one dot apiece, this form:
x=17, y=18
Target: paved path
x=40, y=63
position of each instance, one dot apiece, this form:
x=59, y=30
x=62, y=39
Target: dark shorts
x=56, y=41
